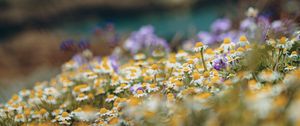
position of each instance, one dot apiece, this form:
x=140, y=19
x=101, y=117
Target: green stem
x=276, y=64
x=203, y=62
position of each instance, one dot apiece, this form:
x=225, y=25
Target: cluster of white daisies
x=215, y=85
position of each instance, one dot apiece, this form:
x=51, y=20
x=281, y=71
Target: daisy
x=101, y=122
x=20, y=118
x=152, y=88
x=227, y=45
x=239, y=52
x=124, y=86
x=269, y=75
x=199, y=47
x=251, y=12
x=271, y=42
x=15, y=108
x=105, y=67
x=51, y=100
x=158, y=53
x=89, y=75
x=51, y=91
x=171, y=63
x=56, y=112
x=100, y=91
x=104, y=112
x=86, y=113
x=282, y=43
x=16, y=99
x=293, y=55
x=70, y=65
x=243, y=41
x=65, y=116
x=197, y=79
x=140, y=93
x=66, y=82
x=181, y=54
x=43, y=113
x=209, y=54
x=254, y=85
x=289, y=68
x=24, y=93
x=170, y=97
x=139, y=56
x=111, y=98
x=81, y=97
x=81, y=88
x=154, y=69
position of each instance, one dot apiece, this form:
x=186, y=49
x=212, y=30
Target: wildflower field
x=249, y=76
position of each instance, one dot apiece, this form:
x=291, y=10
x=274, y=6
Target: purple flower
x=206, y=38
x=145, y=39
x=83, y=44
x=221, y=25
x=114, y=63
x=248, y=23
x=136, y=87
x=277, y=24
x=79, y=59
x=219, y=63
x=67, y=45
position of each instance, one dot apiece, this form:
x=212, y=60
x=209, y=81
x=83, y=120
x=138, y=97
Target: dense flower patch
x=240, y=82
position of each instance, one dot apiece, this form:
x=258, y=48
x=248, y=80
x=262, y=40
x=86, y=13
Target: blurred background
x=31, y=31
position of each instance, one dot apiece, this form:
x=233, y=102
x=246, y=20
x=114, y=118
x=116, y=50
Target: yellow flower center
x=243, y=38
x=282, y=40
x=240, y=49
x=196, y=76
x=227, y=40
x=173, y=60
x=81, y=95
x=190, y=62
x=199, y=44
x=153, y=85
x=43, y=111
x=209, y=51
x=110, y=96
x=206, y=74
x=154, y=66
x=65, y=114
x=103, y=110
x=140, y=92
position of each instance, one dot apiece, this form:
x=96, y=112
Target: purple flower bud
x=67, y=45
x=83, y=44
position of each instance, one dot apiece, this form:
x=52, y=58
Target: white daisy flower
x=104, y=112
x=227, y=45
x=20, y=118
x=152, y=87
x=139, y=56
x=269, y=75
x=81, y=97
x=199, y=47
x=243, y=41
x=140, y=93
x=111, y=98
